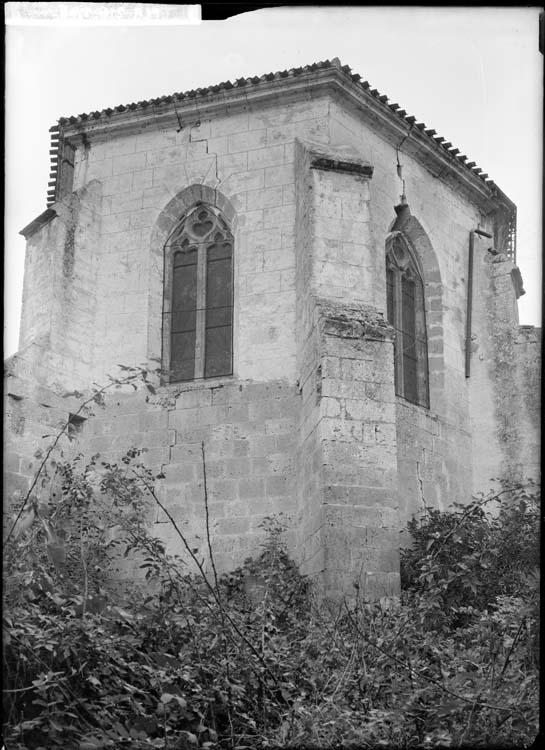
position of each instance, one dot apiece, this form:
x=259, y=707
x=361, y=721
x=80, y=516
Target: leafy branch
x=212, y=589
x=417, y=673
x=97, y=398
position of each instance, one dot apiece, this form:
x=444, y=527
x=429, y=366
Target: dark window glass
x=184, y=314
x=218, y=346
x=183, y=355
x=405, y=311
x=390, y=295
x=202, y=297
x=410, y=390
x=218, y=310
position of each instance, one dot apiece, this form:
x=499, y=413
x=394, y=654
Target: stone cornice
x=336, y=158
x=443, y=163
x=516, y=278
x=339, y=165
x=330, y=78
x=40, y=221
x=175, y=112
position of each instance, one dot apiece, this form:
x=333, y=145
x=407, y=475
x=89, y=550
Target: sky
x=472, y=74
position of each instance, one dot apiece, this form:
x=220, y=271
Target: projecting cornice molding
x=327, y=78
x=336, y=158
x=39, y=222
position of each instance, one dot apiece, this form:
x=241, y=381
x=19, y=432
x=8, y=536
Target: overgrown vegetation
x=251, y=659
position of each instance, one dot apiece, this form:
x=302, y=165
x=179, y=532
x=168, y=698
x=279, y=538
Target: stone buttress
x=347, y=525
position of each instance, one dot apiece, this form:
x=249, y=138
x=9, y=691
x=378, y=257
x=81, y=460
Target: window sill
x=181, y=386
x=406, y=402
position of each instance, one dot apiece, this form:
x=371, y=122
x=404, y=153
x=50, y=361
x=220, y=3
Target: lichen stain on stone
x=347, y=329
x=354, y=322
x=69, y=249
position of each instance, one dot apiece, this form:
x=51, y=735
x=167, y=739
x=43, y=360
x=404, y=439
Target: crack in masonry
x=420, y=484
x=162, y=475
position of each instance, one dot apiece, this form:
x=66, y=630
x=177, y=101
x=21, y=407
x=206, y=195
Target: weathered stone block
x=266, y=157
x=278, y=175
x=251, y=487
x=222, y=489
x=254, y=139
x=358, y=495
x=243, y=181
x=129, y=163
x=267, y=198
x=233, y=525
x=279, y=485
x=232, y=163
x=238, y=413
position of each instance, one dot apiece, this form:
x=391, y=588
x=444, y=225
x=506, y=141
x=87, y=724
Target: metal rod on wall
x=469, y=313
x=469, y=302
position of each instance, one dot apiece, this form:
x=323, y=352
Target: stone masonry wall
x=308, y=425
x=359, y=446
x=249, y=439
x=249, y=435
x=435, y=452
x=248, y=156
x=505, y=377
x=310, y=510
x=348, y=521
x=60, y=287
x=36, y=408
x=528, y=354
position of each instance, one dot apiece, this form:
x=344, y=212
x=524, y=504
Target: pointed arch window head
x=406, y=313
x=199, y=314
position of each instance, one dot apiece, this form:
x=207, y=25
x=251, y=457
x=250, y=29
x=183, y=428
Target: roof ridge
x=203, y=91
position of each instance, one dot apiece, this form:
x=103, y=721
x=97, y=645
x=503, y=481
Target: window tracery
x=200, y=253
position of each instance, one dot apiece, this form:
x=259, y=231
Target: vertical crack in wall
x=69, y=250
x=421, y=485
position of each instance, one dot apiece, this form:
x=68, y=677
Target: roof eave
x=443, y=162
x=40, y=221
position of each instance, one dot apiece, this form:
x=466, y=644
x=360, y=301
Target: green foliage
x=465, y=558
x=250, y=659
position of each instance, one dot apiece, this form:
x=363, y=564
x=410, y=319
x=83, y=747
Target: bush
x=465, y=558
x=251, y=659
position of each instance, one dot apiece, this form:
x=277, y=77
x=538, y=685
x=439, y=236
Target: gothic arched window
x=405, y=310
x=200, y=258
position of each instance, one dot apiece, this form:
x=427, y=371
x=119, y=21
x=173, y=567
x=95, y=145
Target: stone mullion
x=398, y=325
x=200, y=331
x=166, y=351
x=421, y=346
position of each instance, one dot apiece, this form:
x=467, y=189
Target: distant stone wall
x=505, y=380
x=528, y=353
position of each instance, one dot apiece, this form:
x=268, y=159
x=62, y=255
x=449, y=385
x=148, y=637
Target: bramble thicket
x=190, y=658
